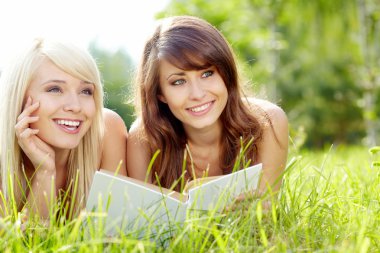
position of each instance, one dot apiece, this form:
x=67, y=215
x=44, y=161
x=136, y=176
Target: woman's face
x=197, y=97
x=67, y=106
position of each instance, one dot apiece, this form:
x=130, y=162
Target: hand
x=242, y=201
x=39, y=153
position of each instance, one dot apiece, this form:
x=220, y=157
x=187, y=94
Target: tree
x=303, y=55
x=117, y=71
x=369, y=68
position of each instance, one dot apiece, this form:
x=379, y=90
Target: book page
x=197, y=182
x=129, y=202
x=224, y=189
x=167, y=192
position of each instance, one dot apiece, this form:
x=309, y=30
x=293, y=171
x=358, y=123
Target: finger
x=26, y=121
x=24, y=140
x=240, y=197
x=27, y=111
x=229, y=208
x=266, y=205
x=27, y=103
x=27, y=133
x=24, y=124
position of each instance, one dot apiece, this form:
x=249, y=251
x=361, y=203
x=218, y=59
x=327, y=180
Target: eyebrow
x=209, y=66
x=53, y=81
x=63, y=82
x=176, y=74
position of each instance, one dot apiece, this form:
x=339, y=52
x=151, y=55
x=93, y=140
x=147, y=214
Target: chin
x=70, y=145
x=206, y=124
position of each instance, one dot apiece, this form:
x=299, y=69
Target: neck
x=204, y=150
x=61, y=160
x=205, y=137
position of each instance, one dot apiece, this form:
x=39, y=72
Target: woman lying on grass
x=190, y=96
x=54, y=131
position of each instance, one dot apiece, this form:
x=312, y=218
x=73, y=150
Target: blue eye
x=178, y=82
x=54, y=89
x=208, y=73
x=88, y=92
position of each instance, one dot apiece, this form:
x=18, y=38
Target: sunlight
x=112, y=24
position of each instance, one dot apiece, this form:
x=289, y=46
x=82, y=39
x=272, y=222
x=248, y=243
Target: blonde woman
x=54, y=131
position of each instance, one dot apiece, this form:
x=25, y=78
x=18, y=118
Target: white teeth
x=200, y=108
x=68, y=122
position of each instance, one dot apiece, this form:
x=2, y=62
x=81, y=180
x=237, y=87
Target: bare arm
x=114, y=143
x=138, y=154
x=42, y=192
x=273, y=149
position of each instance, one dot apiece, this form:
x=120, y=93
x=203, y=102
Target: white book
x=128, y=202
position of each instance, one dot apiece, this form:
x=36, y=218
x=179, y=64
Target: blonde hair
x=83, y=160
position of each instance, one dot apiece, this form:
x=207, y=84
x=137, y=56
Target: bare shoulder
x=275, y=113
x=136, y=138
x=273, y=147
x=114, y=142
x=275, y=122
x=138, y=152
x=113, y=119
x=136, y=126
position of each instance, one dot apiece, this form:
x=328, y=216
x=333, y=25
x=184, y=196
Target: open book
x=129, y=202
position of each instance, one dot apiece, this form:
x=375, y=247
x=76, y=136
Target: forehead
x=47, y=69
x=166, y=66
x=185, y=59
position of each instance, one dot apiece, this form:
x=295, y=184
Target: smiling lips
x=69, y=126
x=201, y=108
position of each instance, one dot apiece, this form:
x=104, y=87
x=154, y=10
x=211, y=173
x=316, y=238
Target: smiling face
x=67, y=106
x=196, y=97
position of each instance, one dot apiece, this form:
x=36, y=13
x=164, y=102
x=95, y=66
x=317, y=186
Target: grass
x=329, y=202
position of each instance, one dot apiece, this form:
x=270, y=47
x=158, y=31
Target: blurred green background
x=319, y=60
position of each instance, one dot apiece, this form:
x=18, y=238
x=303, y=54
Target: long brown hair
x=190, y=43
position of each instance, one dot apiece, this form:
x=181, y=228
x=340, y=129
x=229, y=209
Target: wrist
x=44, y=174
x=45, y=167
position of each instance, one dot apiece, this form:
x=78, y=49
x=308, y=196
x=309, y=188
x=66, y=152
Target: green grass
x=329, y=202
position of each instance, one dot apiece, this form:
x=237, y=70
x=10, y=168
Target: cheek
x=44, y=112
x=176, y=97
x=44, y=109
x=225, y=91
x=221, y=90
x=175, y=104
x=90, y=108
x=177, y=110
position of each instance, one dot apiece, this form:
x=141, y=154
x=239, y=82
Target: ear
x=162, y=98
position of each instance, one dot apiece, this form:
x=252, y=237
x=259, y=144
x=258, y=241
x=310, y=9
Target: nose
x=196, y=90
x=72, y=103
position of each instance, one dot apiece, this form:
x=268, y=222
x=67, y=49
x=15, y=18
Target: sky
x=112, y=24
